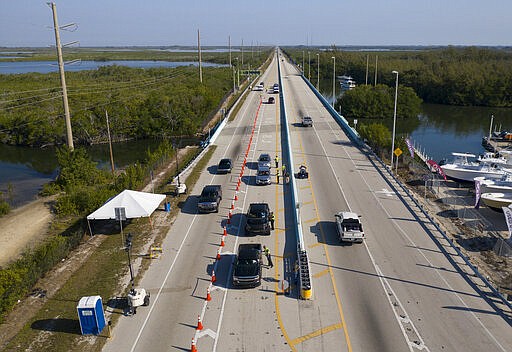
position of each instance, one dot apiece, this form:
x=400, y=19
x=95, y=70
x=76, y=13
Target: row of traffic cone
x=208, y=298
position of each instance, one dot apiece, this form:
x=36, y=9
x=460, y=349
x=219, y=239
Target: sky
x=264, y=22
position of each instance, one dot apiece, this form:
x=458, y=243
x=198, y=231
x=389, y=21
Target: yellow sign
x=398, y=152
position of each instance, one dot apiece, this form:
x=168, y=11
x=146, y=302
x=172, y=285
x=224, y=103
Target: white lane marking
x=177, y=254
x=206, y=332
x=348, y=205
x=219, y=325
x=397, y=225
x=162, y=285
x=386, y=192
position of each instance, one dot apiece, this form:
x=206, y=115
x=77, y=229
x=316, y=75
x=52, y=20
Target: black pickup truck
x=247, y=267
x=210, y=199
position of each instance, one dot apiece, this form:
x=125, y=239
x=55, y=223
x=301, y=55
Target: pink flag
x=410, y=146
x=508, y=218
x=477, y=194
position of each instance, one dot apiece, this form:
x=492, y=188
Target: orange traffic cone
x=222, y=244
x=213, y=276
x=193, y=347
x=232, y=206
x=218, y=254
x=236, y=196
x=199, y=324
x=208, y=296
x=230, y=214
x=225, y=231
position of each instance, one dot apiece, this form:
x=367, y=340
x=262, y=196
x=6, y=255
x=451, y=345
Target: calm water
x=24, y=170
x=442, y=129
x=439, y=129
x=51, y=66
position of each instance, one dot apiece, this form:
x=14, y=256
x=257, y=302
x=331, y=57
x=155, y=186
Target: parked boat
x=502, y=159
x=461, y=169
x=503, y=184
x=346, y=82
x=497, y=200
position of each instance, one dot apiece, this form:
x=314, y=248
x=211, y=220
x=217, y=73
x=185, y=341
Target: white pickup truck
x=349, y=227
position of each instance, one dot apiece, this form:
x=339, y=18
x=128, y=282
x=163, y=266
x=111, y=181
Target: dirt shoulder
x=23, y=228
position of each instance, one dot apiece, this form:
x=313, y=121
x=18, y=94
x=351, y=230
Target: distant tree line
x=141, y=103
x=469, y=76
x=379, y=102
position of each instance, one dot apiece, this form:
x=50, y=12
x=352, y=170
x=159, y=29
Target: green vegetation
x=157, y=103
x=454, y=76
x=378, y=102
x=92, y=278
x=376, y=136
x=141, y=103
x=152, y=103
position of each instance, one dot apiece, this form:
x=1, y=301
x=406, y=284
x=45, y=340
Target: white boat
x=461, y=169
x=346, y=82
x=497, y=200
x=502, y=159
x=502, y=185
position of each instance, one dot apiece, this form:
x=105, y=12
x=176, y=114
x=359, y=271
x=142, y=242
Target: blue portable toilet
x=91, y=315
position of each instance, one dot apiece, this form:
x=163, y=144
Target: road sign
x=120, y=213
x=398, y=152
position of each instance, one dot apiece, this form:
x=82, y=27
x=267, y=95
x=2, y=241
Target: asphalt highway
x=403, y=289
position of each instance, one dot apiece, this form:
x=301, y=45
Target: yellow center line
x=314, y=245
x=321, y=273
x=317, y=333
x=327, y=257
x=310, y=220
x=276, y=238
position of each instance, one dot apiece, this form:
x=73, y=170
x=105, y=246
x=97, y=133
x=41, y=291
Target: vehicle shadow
x=249, y=180
x=253, y=165
x=212, y=169
x=222, y=269
x=237, y=221
x=189, y=205
x=325, y=232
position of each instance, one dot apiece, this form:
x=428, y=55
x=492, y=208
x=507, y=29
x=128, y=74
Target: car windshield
x=263, y=173
x=257, y=213
x=255, y=221
x=225, y=163
x=264, y=157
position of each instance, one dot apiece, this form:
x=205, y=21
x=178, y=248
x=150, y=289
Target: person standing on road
x=276, y=159
x=272, y=219
x=284, y=170
x=269, y=258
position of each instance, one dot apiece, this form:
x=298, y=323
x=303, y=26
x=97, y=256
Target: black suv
x=258, y=219
x=210, y=199
x=225, y=166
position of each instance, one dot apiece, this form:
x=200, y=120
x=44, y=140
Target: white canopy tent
x=135, y=204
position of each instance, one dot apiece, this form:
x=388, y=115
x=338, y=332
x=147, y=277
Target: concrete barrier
x=306, y=287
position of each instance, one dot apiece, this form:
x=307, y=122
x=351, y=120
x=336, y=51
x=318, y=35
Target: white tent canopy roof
x=136, y=204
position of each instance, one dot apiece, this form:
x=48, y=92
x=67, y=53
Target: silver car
x=263, y=175
x=264, y=160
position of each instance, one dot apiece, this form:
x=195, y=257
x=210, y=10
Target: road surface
x=403, y=289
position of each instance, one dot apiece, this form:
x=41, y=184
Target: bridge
x=405, y=288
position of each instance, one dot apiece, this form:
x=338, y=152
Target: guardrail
x=354, y=136
x=306, y=288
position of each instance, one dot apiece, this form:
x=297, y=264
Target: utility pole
x=110, y=146
x=242, y=66
x=229, y=46
x=69, y=132
x=199, y=51
x=366, y=80
x=309, y=66
x=376, y=60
